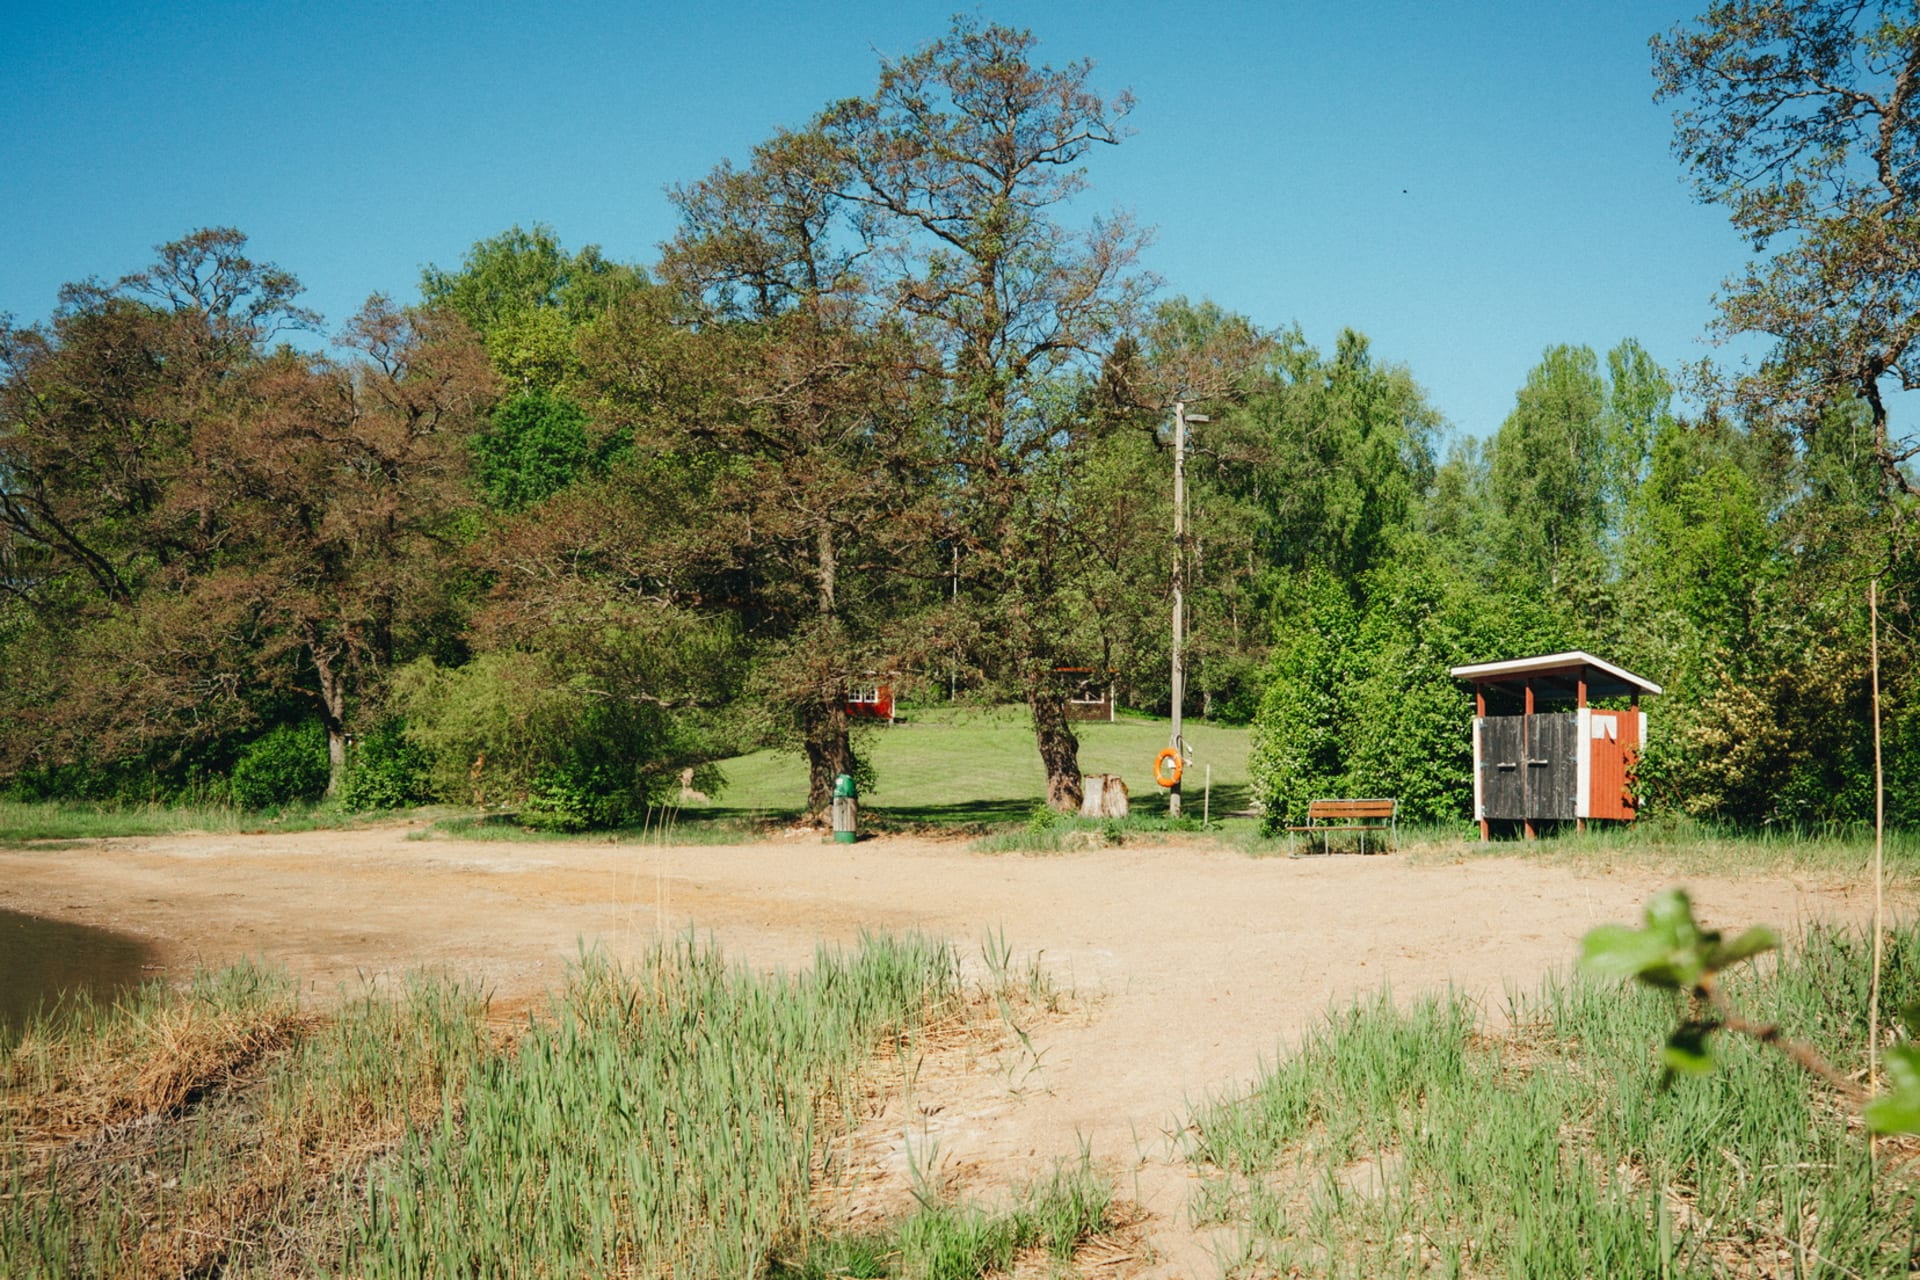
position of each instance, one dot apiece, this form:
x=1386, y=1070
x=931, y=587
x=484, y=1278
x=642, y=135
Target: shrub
x=519, y=729
x=285, y=765
x=575, y=798
x=386, y=770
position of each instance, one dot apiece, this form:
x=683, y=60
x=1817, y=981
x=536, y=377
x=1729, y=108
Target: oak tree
x=823, y=504
x=1801, y=118
x=959, y=168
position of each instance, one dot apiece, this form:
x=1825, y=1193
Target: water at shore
x=41, y=958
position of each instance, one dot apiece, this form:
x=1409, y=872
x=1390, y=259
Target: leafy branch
x=1671, y=952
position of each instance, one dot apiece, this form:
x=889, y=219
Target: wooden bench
x=1327, y=816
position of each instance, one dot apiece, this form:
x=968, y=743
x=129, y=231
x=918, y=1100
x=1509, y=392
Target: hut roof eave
x=1604, y=676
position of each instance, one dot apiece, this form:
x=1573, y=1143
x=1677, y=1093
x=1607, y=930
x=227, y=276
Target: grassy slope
x=947, y=765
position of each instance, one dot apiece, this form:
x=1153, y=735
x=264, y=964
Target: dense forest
x=891, y=406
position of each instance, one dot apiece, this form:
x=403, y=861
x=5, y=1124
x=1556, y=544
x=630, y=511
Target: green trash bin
x=846, y=809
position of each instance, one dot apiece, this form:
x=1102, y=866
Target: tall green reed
x=1414, y=1141
x=665, y=1121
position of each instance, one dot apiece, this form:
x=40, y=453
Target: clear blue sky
x=1466, y=183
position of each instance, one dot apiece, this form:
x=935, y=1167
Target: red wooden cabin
x=870, y=702
x=1541, y=752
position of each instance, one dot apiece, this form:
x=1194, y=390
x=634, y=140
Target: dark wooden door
x=1502, y=773
x=1552, y=768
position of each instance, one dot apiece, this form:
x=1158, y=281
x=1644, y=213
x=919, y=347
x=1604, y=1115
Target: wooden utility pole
x=1180, y=420
x=1179, y=584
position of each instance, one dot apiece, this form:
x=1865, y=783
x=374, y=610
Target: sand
x=1187, y=965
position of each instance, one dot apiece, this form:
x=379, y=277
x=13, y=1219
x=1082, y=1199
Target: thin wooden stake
x=1879, y=847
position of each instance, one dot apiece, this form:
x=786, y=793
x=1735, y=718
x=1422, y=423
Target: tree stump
x=1103, y=795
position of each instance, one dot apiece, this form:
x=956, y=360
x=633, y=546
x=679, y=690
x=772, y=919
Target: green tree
x=534, y=444
x=1704, y=542
x=1301, y=731
x=1547, y=476
x=1639, y=406
x=534, y=306
x=521, y=273
x=1213, y=360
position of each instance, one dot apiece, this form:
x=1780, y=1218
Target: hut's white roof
x=1552, y=664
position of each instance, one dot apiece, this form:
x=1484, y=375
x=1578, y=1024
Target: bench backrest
x=1319, y=809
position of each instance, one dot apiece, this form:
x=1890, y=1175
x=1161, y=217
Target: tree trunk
x=824, y=722
x=829, y=754
x=333, y=714
x=1059, y=749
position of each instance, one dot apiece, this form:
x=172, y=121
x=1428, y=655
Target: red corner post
x=1526, y=749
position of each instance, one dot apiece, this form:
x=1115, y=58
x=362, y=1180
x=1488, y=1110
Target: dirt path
x=1192, y=964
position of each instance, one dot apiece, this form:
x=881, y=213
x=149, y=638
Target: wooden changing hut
x=1542, y=752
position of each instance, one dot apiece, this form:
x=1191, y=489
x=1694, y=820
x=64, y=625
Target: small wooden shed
x=1092, y=697
x=1542, y=752
x=873, y=701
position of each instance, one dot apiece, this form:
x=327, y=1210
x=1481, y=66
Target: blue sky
x=1466, y=183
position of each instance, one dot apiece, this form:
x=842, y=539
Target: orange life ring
x=1167, y=768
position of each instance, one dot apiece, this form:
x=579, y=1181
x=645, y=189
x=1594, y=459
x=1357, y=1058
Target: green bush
x=521, y=729
x=386, y=770
x=1358, y=698
x=191, y=777
x=575, y=798
x=285, y=765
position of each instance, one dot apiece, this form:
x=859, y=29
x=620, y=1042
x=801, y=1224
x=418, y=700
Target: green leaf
x=1672, y=952
x=1670, y=918
x=1898, y=1109
x=1686, y=1052
x=1616, y=951
x=1903, y=1067
x=1753, y=942
x=1674, y=972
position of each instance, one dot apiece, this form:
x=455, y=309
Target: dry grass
x=215, y=1130
x=91, y=1066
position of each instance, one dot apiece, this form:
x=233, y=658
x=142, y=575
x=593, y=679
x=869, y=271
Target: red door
x=1614, y=748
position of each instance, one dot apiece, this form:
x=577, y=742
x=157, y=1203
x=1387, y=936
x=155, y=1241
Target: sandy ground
x=1189, y=965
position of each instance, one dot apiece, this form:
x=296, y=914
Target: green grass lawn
x=979, y=765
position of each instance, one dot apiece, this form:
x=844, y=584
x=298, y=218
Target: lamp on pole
x=1180, y=420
